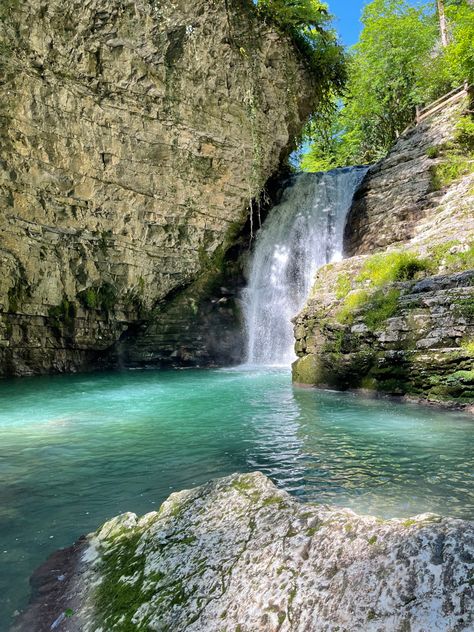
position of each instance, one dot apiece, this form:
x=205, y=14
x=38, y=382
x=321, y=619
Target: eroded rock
x=239, y=554
x=133, y=135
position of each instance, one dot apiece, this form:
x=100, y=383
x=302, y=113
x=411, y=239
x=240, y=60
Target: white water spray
x=300, y=235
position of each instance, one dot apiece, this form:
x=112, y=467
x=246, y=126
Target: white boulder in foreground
x=239, y=555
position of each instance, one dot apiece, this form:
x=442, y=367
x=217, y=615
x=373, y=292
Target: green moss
x=273, y=500
x=433, y=151
x=7, y=8
x=409, y=523
x=343, y=285
x=307, y=370
x=353, y=302
x=104, y=241
x=371, y=615
x=372, y=540
x=453, y=256
x=62, y=315
x=311, y=531
x=465, y=308
x=242, y=485
x=385, y=268
x=117, y=600
x=468, y=347
x=19, y=292
x=451, y=169
x=381, y=306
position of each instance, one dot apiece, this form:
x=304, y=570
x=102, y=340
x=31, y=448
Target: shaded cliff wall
x=132, y=137
x=398, y=316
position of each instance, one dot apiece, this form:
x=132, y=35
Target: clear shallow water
x=76, y=450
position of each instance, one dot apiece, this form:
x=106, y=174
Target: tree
x=442, y=22
x=397, y=64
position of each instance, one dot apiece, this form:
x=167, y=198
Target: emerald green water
x=77, y=450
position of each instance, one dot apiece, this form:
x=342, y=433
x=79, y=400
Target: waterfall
x=300, y=235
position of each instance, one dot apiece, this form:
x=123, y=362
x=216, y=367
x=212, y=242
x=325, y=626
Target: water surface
x=76, y=450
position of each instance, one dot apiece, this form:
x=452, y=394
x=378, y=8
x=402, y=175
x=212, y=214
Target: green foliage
x=62, y=315
x=382, y=306
x=343, y=285
x=452, y=256
x=382, y=269
x=465, y=134
x=397, y=64
x=308, y=23
x=451, y=169
x=103, y=297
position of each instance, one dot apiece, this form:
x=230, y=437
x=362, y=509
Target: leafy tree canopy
x=397, y=64
x=308, y=23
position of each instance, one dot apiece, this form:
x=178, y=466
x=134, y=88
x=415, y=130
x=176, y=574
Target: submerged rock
x=240, y=555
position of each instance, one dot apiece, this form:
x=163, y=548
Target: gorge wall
x=133, y=136
x=397, y=315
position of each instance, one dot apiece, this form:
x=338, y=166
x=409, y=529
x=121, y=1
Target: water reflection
x=76, y=450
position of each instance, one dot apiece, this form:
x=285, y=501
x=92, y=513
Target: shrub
x=465, y=133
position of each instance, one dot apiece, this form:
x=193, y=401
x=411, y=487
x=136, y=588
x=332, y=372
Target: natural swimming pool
x=76, y=450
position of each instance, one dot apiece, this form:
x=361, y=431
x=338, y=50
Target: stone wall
x=400, y=321
x=132, y=137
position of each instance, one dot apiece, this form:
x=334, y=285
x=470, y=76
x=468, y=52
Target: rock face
x=397, y=316
x=132, y=137
x=238, y=554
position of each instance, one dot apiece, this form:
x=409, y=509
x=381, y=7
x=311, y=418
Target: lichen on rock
x=239, y=554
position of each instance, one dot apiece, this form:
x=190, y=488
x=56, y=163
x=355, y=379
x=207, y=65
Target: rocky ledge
x=397, y=316
x=240, y=555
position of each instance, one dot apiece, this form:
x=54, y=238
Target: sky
x=347, y=14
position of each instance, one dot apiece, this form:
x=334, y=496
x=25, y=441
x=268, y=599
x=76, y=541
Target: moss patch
x=116, y=598
x=62, y=315
x=103, y=297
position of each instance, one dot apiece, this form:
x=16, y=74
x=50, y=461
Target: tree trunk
x=442, y=23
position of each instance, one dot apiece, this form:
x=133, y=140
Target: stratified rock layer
x=238, y=554
x=397, y=317
x=132, y=137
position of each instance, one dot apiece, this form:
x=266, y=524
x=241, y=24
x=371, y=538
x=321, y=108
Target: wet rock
x=239, y=554
x=412, y=333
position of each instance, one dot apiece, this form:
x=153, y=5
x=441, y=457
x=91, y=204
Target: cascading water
x=300, y=235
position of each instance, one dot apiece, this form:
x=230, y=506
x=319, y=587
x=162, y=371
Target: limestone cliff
x=397, y=316
x=133, y=135
x=239, y=554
